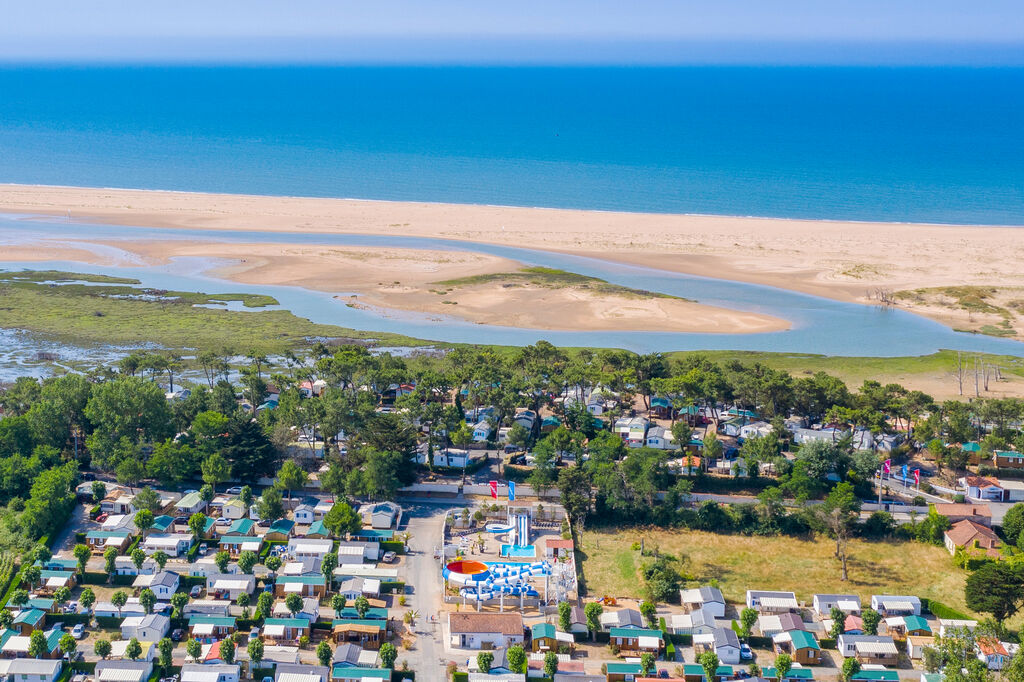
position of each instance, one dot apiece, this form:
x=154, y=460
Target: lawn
x=738, y=562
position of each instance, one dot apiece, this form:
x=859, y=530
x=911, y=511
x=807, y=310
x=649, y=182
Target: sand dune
x=840, y=260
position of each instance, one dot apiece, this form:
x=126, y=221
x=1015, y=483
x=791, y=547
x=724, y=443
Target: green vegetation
x=552, y=279
x=611, y=566
x=124, y=315
x=974, y=299
x=855, y=370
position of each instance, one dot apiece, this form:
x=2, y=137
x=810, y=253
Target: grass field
x=611, y=567
x=930, y=373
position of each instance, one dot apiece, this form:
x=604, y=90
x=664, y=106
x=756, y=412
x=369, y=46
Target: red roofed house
x=992, y=653
x=981, y=488
x=557, y=547
x=979, y=513
x=971, y=535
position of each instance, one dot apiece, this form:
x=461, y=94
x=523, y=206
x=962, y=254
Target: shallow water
x=819, y=325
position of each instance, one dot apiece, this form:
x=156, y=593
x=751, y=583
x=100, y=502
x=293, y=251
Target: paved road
x=424, y=523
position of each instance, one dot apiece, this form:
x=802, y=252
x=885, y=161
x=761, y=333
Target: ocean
x=852, y=143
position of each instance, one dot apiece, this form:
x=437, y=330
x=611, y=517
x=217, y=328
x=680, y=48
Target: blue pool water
x=915, y=144
x=519, y=551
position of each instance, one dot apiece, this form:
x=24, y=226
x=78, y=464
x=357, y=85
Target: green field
x=738, y=563
x=113, y=312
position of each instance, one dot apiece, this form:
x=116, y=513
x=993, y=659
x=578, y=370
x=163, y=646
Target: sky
x=517, y=31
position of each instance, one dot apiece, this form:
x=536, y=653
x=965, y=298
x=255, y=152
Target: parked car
x=57, y=626
x=745, y=653
x=180, y=520
x=189, y=492
x=254, y=633
x=263, y=523
x=78, y=632
x=234, y=490
x=389, y=557
x=196, y=591
x=177, y=634
x=203, y=549
x=102, y=517
x=223, y=521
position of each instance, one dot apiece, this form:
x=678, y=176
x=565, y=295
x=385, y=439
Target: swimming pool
x=519, y=551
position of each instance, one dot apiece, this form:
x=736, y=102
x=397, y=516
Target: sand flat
x=840, y=260
x=403, y=279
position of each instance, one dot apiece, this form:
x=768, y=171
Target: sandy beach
x=858, y=262
x=402, y=279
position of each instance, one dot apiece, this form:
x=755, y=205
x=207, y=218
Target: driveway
x=425, y=522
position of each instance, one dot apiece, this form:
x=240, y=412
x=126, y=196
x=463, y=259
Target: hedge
x=80, y=538
x=398, y=675
x=827, y=643
x=759, y=642
x=460, y=677
x=133, y=546
x=14, y=585
x=682, y=640
x=87, y=667
x=265, y=550
x=390, y=586
x=940, y=610
x=109, y=622
x=93, y=578
x=395, y=546
x=260, y=673
x=123, y=579
x=670, y=651
x=187, y=582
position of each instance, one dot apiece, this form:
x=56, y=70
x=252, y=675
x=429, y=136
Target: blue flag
x=511, y=491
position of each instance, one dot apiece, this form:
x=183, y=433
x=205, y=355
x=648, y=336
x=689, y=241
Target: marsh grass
x=552, y=278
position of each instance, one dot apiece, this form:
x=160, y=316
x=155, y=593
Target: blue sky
x=517, y=31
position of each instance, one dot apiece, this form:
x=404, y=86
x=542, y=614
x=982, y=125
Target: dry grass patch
x=806, y=567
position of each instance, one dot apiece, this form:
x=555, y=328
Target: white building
x=191, y=672
x=484, y=630
x=31, y=670
x=172, y=544
x=230, y=586
x=123, y=671
x=163, y=584
x=896, y=605
x=151, y=628
x=847, y=603
x=302, y=548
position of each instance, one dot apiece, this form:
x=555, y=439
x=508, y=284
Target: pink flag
x=887, y=466
x=494, y=489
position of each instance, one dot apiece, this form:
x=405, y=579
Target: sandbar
x=861, y=262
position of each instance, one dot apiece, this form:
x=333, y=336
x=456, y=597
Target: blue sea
x=858, y=143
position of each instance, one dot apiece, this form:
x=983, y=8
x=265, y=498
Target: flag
x=887, y=466
x=904, y=471
x=917, y=476
x=511, y=491
x=494, y=489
